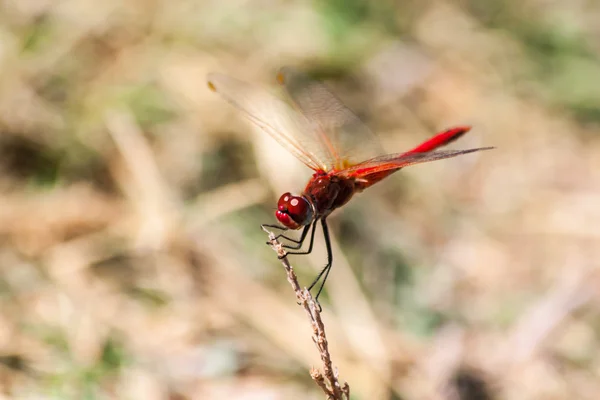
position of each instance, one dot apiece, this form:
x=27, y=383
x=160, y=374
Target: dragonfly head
x=294, y=211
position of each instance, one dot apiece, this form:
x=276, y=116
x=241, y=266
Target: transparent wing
x=288, y=127
x=372, y=171
x=345, y=137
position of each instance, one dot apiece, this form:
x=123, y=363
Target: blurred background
x=132, y=264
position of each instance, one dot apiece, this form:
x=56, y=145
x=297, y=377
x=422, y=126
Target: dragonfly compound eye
x=293, y=211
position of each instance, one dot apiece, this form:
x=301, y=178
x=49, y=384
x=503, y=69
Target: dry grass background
x=132, y=264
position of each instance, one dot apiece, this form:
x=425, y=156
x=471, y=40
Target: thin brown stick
x=327, y=380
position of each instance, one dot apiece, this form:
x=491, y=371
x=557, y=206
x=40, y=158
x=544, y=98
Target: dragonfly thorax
x=294, y=211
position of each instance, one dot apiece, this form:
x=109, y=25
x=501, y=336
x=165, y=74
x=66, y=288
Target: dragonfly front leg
x=301, y=241
x=282, y=235
x=282, y=228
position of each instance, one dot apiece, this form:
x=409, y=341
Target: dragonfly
x=329, y=138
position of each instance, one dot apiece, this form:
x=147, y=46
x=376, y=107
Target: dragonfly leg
x=283, y=228
x=298, y=242
x=325, y=271
x=301, y=241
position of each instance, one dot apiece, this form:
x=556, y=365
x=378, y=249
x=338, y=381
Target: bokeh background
x=132, y=265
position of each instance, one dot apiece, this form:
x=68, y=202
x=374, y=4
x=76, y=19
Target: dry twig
x=327, y=379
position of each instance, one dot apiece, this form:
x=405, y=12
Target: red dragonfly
x=331, y=140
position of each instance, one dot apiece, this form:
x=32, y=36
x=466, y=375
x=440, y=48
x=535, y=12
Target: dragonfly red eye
x=293, y=211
